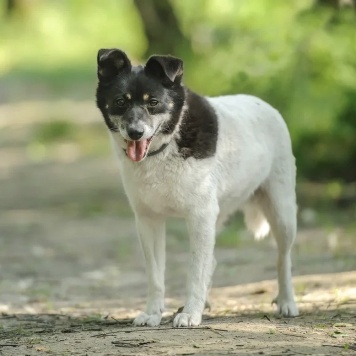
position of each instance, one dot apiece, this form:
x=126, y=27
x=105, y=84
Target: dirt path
x=241, y=324
x=72, y=276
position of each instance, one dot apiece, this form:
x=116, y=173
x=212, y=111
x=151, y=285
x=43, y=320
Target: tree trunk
x=10, y=7
x=17, y=8
x=161, y=27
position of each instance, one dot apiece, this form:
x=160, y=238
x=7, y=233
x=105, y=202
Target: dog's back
x=253, y=146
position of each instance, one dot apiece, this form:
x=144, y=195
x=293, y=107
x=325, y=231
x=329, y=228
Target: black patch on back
x=198, y=129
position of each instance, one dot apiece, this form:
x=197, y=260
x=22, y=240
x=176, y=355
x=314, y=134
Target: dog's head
x=142, y=102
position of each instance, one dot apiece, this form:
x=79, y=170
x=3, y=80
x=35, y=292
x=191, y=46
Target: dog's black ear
x=166, y=68
x=112, y=62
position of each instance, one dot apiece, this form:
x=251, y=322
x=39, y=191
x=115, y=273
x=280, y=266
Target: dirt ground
x=72, y=276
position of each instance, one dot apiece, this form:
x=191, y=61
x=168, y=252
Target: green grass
x=230, y=235
x=55, y=130
x=124, y=251
x=57, y=81
x=89, y=207
x=49, y=138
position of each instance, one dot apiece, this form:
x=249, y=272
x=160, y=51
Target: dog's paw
x=147, y=319
x=185, y=319
x=286, y=307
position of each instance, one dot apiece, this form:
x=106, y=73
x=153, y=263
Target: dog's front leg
x=201, y=228
x=151, y=232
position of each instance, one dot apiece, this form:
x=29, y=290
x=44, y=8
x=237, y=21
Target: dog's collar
x=153, y=153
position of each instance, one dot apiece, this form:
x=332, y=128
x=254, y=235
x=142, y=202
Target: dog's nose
x=134, y=133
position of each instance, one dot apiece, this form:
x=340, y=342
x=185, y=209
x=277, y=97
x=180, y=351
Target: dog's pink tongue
x=136, y=150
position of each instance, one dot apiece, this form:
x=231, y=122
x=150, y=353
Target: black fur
x=161, y=78
x=169, y=69
x=198, y=129
x=112, y=62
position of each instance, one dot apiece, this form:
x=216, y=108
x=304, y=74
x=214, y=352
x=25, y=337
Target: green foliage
x=54, y=130
x=297, y=55
x=53, y=35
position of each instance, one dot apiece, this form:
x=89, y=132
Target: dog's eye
x=120, y=102
x=153, y=102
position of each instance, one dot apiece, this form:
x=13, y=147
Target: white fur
x=253, y=170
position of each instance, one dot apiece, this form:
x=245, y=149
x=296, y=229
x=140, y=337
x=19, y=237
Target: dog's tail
x=256, y=221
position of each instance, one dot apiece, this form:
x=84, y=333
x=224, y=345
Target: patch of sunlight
x=338, y=295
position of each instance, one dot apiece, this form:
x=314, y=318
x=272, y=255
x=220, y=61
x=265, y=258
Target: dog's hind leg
x=151, y=232
x=278, y=203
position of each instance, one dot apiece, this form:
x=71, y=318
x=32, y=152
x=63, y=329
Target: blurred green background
x=63, y=210
x=299, y=55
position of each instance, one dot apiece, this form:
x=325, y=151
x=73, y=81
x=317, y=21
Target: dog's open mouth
x=136, y=151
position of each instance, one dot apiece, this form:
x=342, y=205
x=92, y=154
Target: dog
x=202, y=159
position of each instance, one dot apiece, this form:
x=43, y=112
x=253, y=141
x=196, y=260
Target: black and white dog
x=201, y=159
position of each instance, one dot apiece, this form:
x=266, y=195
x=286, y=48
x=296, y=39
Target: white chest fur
x=169, y=187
